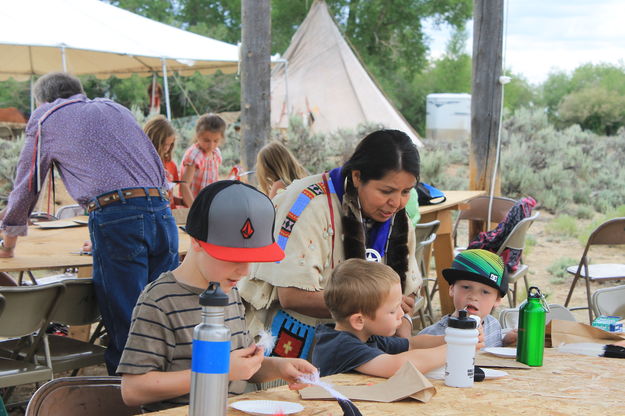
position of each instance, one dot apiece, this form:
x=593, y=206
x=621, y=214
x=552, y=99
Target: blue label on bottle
x=210, y=357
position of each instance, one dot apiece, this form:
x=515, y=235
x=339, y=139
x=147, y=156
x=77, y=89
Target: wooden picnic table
x=565, y=385
x=443, y=247
x=53, y=248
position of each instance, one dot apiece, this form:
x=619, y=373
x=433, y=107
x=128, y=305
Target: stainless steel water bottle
x=531, y=339
x=210, y=359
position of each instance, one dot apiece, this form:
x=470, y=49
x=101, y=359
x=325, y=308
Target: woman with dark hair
x=355, y=211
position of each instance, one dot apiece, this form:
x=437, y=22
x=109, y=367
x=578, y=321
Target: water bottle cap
x=462, y=321
x=214, y=296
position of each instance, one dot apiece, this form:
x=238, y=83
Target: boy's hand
x=480, y=338
x=510, y=338
x=244, y=363
x=87, y=246
x=290, y=369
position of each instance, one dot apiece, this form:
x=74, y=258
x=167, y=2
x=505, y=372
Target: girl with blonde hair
x=276, y=168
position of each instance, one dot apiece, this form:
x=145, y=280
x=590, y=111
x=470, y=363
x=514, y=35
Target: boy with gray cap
x=230, y=225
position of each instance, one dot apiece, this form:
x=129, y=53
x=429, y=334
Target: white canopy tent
x=93, y=37
x=324, y=81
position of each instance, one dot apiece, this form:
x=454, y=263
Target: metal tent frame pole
x=166, y=89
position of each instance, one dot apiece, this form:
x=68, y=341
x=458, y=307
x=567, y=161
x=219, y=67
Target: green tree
x=15, y=94
x=594, y=108
x=519, y=93
x=451, y=73
x=387, y=34
x=566, y=92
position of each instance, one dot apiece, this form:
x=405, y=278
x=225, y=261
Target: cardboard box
x=608, y=323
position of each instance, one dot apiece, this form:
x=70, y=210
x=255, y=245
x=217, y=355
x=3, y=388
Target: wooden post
x=255, y=76
x=486, y=96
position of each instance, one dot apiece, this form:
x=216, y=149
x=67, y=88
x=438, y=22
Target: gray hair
x=56, y=85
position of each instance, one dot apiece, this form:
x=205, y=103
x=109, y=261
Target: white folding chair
x=609, y=301
x=611, y=232
x=516, y=240
x=509, y=317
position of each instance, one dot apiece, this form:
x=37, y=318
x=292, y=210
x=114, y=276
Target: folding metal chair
x=509, y=318
x=69, y=211
x=611, y=232
x=516, y=240
x=425, y=234
x=26, y=309
x=80, y=396
x=477, y=210
x=76, y=306
x=609, y=301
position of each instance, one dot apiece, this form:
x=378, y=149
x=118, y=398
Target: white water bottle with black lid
x=461, y=337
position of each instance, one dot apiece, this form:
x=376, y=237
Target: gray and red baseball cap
x=234, y=222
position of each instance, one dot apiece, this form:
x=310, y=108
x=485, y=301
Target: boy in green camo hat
x=477, y=283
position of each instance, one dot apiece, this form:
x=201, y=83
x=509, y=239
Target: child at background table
x=276, y=168
x=477, y=283
x=364, y=299
x=230, y=225
x=201, y=161
x=163, y=137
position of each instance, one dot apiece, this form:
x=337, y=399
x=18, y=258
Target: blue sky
x=555, y=35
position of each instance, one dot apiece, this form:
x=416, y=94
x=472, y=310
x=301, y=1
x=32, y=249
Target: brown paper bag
x=569, y=332
x=406, y=382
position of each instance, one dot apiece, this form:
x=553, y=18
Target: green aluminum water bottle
x=531, y=339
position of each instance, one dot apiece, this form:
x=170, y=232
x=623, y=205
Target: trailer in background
x=448, y=117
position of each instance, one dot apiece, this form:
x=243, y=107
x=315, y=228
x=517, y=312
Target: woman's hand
x=407, y=303
x=291, y=369
x=244, y=363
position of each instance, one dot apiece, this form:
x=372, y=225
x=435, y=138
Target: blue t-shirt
x=340, y=351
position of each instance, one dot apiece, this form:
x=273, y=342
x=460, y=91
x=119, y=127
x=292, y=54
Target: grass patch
x=584, y=233
x=558, y=269
x=563, y=225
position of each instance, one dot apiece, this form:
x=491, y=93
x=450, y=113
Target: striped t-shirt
x=161, y=332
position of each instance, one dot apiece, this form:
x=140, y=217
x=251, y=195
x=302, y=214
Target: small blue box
x=608, y=323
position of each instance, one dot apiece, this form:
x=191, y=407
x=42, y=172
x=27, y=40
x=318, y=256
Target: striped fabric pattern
x=298, y=207
x=161, y=332
x=480, y=262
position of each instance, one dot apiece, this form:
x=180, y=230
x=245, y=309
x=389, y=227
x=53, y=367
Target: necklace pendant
x=373, y=255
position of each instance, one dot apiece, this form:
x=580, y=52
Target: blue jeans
x=134, y=241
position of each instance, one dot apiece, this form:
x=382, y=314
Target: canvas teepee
x=324, y=81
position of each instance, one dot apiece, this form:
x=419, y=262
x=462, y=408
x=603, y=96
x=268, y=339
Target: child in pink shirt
x=200, y=163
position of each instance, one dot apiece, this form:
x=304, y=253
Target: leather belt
x=111, y=197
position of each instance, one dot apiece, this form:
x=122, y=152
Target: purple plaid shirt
x=97, y=147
